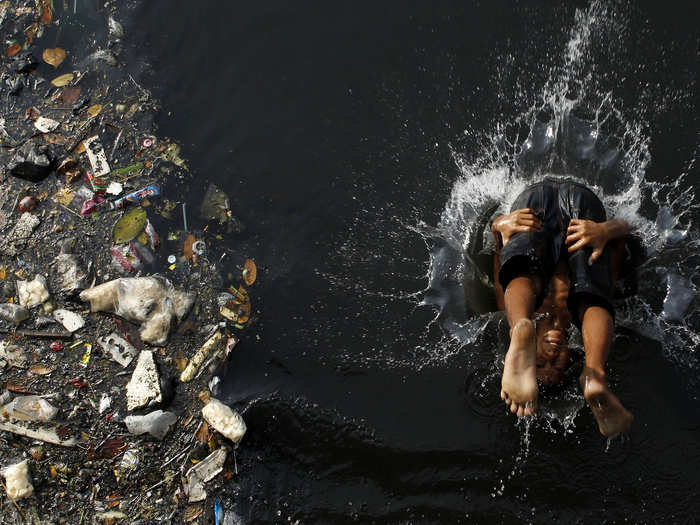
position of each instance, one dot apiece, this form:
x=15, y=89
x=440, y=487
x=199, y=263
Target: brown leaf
x=55, y=138
x=202, y=434
x=70, y=95
x=250, y=272
x=108, y=449
x=54, y=56
x=46, y=13
x=13, y=49
x=187, y=248
x=40, y=370
x=180, y=362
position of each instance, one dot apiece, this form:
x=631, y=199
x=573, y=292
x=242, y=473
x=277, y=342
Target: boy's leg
x=519, y=382
x=597, y=331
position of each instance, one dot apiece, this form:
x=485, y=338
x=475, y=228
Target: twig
x=73, y=212
x=116, y=145
x=177, y=456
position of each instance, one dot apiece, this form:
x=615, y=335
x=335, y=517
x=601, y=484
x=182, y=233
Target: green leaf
x=129, y=226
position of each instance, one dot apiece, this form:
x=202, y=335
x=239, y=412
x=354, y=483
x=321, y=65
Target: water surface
x=363, y=145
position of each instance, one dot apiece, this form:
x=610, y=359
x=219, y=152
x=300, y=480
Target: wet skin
x=539, y=352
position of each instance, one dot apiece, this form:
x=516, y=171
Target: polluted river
x=246, y=260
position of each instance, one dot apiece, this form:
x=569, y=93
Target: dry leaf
x=70, y=95
x=93, y=111
x=202, y=434
x=46, y=14
x=250, y=272
x=54, y=56
x=55, y=138
x=63, y=80
x=187, y=248
x=40, y=370
x=13, y=49
x=80, y=148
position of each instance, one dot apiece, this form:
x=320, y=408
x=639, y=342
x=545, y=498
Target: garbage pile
x=114, y=310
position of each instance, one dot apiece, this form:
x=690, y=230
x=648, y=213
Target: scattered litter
x=105, y=403
x=96, y=156
x=153, y=301
x=27, y=203
x=46, y=125
x=69, y=275
x=114, y=188
x=224, y=420
x=198, y=358
x=70, y=320
x=49, y=435
x=202, y=472
x=136, y=196
x=118, y=348
x=29, y=408
x=18, y=483
x=116, y=30
x=12, y=354
x=157, y=423
x=250, y=272
x=144, y=387
x=13, y=313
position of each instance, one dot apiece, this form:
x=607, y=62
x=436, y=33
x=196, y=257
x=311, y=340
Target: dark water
x=341, y=133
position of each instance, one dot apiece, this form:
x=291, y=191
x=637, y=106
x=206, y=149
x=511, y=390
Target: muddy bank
x=118, y=301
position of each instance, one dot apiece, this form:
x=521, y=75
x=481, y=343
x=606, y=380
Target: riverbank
x=89, y=195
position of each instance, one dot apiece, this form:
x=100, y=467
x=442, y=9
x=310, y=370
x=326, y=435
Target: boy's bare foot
x=519, y=382
x=612, y=417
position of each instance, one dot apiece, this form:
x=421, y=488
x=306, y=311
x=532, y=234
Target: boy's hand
x=587, y=233
x=523, y=220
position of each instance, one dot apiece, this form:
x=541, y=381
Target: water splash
x=572, y=128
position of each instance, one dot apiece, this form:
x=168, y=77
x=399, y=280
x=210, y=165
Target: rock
x=12, y=354
x=144, y=387
x=224, y=420
x=157, y=423
x=31, y=161
x=202, y=472
x=32, y=293
x=70, y=320
x=29, y=408
x=24, y=228
x=18, y=483
x=120, y=349
x=68, y=273
x=152, y=301
x=13, y=313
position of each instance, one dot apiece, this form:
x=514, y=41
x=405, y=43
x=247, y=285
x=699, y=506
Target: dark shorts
x=556, y=202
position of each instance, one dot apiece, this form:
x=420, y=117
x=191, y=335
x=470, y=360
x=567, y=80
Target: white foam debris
x=33, y=293
x=224, y=420
x=144, y=387
x=70, y=320
x=18, y=483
